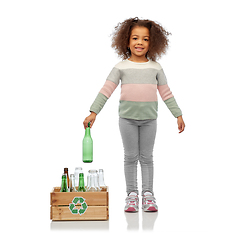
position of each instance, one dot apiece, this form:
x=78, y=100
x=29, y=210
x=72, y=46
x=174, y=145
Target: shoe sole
x=150, y=209
x=131, y=209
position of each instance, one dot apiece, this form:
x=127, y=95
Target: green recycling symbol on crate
x=83, y=207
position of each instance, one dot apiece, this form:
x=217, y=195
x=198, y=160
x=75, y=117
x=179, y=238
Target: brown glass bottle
x=66, y=172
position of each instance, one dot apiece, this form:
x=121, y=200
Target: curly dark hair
x=158, y=38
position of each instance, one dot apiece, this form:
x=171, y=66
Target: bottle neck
x=81, y=187
x=87, y=131
x=81, y=179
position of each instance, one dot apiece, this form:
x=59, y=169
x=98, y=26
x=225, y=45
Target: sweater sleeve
x=106, y=91
x=167, y=95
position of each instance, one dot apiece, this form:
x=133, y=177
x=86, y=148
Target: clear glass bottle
x=101, y=180
x=77, y=171
x=64, y=187
x=72, y=186
x=92, y=183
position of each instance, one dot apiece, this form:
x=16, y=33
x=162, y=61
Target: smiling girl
x=139, y=43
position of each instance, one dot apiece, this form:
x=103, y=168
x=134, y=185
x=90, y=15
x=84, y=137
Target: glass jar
x=92, y=181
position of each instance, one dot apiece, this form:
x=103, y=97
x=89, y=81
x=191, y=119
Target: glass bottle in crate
x=101, y=180
x=64, y=187
x=66, y=172
x=77, y=171
x=72, y=186
x=92, y=181
x=81, y=187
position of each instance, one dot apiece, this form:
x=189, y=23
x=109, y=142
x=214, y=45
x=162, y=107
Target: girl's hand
x=91, y=118
x=181, y=124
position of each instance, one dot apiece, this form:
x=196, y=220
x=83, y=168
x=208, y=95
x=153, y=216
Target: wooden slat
x=91, y=198
x=57, y=189
x=92, y=213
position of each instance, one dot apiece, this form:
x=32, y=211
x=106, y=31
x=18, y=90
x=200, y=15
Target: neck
x=138, y=60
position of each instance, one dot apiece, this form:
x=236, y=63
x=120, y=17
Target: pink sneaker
x=149, y=203
x=131, y=202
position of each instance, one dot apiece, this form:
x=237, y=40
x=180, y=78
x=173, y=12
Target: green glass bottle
x=64, y=187
x=81, y=187
x=87, y=146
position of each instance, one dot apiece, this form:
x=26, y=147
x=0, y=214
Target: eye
x=134, y=38
x=146, y=40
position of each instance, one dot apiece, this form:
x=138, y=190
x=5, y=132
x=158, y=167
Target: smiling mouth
x=139, y=48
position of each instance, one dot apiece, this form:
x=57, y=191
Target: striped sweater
x=139, y=85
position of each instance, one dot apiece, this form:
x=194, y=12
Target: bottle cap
x=89, y=124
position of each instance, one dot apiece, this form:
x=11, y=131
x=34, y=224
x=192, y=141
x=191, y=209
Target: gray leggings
x=138, y=138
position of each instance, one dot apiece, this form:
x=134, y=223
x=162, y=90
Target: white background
x=54, y=58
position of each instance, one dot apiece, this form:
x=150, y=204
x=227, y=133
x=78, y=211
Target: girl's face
x=139, y=44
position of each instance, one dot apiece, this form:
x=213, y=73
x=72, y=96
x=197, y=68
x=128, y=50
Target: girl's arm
x=102, y=97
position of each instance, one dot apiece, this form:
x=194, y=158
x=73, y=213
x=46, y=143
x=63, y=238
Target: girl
x=139, y=43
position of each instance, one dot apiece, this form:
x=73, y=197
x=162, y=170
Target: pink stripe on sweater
x=139, y=92
x=108, y=88
x=165, y=92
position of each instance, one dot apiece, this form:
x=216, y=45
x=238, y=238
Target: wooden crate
x=78, y=205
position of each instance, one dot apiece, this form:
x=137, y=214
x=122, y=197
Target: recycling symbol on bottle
x=75, y=201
